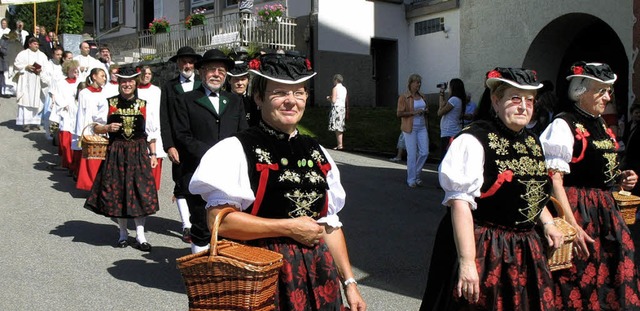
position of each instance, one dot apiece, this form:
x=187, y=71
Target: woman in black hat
x=487, y=254
x=286, y=189
x=124, y=186
x=581, y=153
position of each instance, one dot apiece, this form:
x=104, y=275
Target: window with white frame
x=117, y=12
x=429, y=26
x=202, y=4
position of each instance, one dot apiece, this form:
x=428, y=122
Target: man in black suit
x=186, y=81
x=46, y=44
x=203, y=117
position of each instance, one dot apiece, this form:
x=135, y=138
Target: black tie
x=187, y=80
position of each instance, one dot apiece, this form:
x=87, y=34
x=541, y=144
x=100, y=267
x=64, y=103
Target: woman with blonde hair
x=412, y=110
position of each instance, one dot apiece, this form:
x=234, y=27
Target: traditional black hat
x=287, y=68
x=595, y=71
x=240, y=69
x=215, y=55
x=521, y=78
x=127, y=73
x=185, y=51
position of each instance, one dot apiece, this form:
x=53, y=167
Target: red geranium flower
x=494, y=74
x=254, y=64
x=577, y=70
x=138, y=69
x=535, y=75
x=308, y=63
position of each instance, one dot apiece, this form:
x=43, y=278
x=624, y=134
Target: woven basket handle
x=213, y=249
x=558, y=206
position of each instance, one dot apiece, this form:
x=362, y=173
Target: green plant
x=159, y=25
x=71, y=16
x=271, y=12
x=196, y=18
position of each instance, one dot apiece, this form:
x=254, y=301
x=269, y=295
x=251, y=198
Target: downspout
x=313, y=22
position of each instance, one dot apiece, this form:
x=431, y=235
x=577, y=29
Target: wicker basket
x=627, y=203
x=561, y=257
x=230, y=276
x=93, y=146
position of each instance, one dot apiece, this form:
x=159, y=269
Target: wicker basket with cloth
x=93, y=146
x=561, y=258
x=230, y=275
x=628, y=204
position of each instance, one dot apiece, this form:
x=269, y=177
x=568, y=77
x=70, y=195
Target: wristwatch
x=349, y=281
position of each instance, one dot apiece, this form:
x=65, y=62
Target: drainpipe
x=313, y=22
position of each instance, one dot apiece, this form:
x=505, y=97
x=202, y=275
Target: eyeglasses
x=604, y=90
x=220, y=70
x=282, y=94
x=517, y=99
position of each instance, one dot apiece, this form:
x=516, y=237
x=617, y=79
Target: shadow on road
x=390, y=227
x=161, y=274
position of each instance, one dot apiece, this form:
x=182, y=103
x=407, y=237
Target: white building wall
x=167, y=8
x=498, y=33
x=345, y=26
x=434, y=56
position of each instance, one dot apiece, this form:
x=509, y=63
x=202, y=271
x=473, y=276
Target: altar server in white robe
x=30, y=65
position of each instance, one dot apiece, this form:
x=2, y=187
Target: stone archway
x=574, y=37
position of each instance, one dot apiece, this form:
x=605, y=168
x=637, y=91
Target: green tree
x=71, y=16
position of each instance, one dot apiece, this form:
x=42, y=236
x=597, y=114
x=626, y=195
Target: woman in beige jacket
x=412, y=111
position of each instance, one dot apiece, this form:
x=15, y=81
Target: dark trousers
x=200, y=234
x=444, y=146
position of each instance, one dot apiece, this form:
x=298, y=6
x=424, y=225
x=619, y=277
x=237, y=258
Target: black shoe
x=122, y=244
x=145, y=247
x=25, y=128
x=186, y=235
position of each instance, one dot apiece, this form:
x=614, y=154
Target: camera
x=442, y=85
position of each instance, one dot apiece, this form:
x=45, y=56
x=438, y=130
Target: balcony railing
x=231, y=30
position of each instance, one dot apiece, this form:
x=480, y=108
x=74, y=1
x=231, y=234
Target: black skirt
x=124, y=186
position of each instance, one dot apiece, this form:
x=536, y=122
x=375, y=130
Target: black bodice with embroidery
x=293, y=171
x=597, y=167
x=131, y=113
x=516, y=183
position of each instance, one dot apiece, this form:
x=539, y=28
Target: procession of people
x=228, y=125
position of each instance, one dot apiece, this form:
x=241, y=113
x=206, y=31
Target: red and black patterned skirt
x=124, y=186
x=512, y=268
x=308, y=279
x=608, y=279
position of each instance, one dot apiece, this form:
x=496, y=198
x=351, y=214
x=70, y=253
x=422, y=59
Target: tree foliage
x=71, y=16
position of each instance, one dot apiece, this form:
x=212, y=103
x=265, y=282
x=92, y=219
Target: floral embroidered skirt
x=124, y=186
x=608, y=279
x=512, y=267
x=337, y=119
x=308, y=279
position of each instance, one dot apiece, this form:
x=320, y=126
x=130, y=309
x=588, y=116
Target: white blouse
x=557, y=143
x=152, y=96
x=92, y=108
x=461, y=171
x=230, y=183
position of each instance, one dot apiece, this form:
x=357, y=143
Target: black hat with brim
x=287, y=68
x=185, y=51
x=215, y=55
x=240, y=69
x=521, y=78
x=595, y=71
x=127, y=73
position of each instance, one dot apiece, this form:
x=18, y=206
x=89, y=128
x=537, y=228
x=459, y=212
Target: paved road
x=55, y=255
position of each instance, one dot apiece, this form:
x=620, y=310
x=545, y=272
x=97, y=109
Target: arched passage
x=575, y=37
